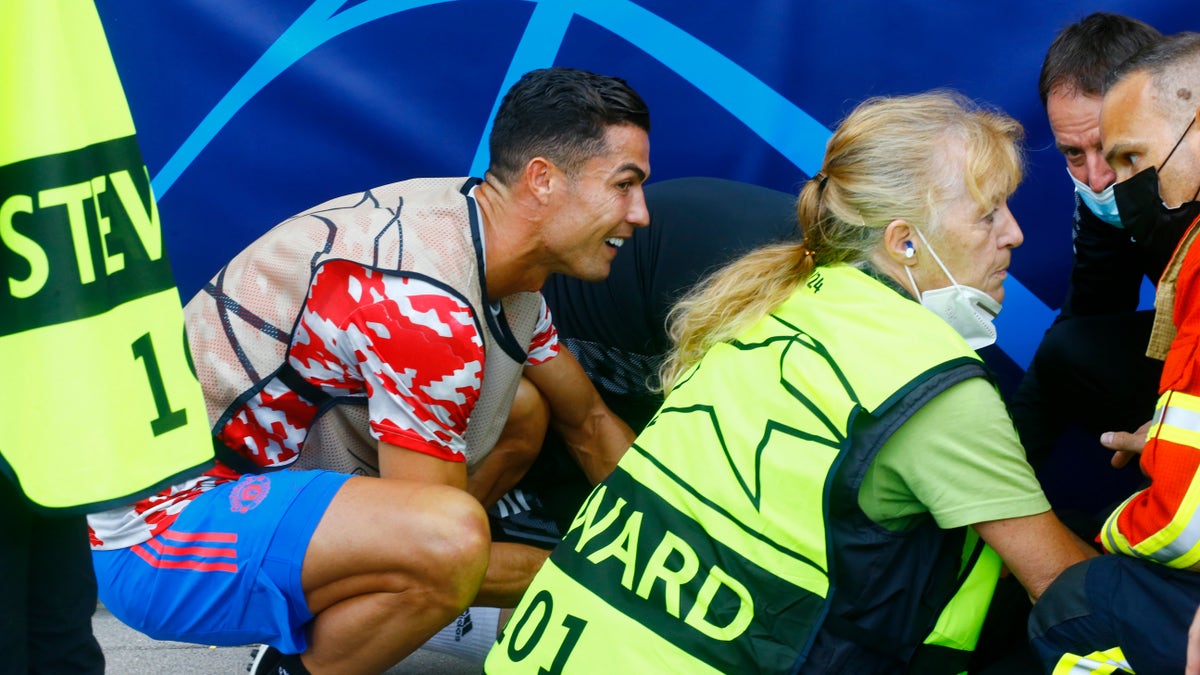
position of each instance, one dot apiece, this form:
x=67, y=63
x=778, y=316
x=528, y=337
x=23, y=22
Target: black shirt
x=616, y=328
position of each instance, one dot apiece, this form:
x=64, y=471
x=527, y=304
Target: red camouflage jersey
x=409, y=348
x=356, y=346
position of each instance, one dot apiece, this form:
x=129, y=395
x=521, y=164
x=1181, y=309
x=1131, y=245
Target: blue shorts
x=227, y=571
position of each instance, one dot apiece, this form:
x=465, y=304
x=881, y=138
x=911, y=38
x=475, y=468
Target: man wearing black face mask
x=1157, y=226
x=1133, y=608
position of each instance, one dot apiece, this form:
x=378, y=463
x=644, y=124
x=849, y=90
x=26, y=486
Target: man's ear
x=898, y=241
x=539, y=177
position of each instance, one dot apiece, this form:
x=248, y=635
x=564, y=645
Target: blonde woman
x=832, y=484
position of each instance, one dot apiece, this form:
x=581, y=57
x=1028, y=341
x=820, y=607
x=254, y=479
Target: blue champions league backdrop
x=248, y=111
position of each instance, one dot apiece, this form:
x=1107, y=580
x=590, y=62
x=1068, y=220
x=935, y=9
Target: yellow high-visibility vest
x=729, y=538
x=100, y=404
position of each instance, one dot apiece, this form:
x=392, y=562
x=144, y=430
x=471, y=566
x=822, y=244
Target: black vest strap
x=232, y=459
x=305, y=389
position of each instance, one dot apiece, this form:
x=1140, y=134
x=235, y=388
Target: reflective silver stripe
x=1181, y=544
x=1180, y=418
x=1169, y=417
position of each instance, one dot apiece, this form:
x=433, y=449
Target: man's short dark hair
x=1083, y=54
x=561, y=114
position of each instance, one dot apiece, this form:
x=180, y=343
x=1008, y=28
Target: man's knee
x=468, y=523
x=1062, y=628
x=423, y=540
x=1115, y=611
x=457, y=558
x=1064, y=600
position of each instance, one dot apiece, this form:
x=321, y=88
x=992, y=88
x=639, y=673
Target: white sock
x=470, y=636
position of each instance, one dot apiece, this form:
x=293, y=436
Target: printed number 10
x=143, y=348
x=573, y=624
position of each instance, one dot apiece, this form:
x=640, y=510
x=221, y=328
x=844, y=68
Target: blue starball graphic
x=791, y=131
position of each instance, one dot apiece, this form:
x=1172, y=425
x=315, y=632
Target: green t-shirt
x=958, y=459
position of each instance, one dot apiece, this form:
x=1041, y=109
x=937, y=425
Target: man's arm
x=405, y=464
x=1035, y=548
x=594, y=435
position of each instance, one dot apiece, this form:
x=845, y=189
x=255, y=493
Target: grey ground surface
x=128, y=652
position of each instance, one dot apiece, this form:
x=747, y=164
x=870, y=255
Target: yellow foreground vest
x=101, y=405
x=729, y=539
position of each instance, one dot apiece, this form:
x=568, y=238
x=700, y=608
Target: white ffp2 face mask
x=969, y=311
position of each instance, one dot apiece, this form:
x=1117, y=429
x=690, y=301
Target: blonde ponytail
x=727, y=302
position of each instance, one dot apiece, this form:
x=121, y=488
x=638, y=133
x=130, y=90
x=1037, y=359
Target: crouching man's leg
x=390, y=564
x=1114, y=614
x=351, y=573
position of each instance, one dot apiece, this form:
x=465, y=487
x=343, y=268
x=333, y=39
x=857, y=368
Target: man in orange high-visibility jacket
x=1130, y=612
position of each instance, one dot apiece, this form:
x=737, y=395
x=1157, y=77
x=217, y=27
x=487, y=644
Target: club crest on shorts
x=249, y=493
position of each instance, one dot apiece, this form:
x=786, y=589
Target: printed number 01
x=573, y=624
x=143, y=348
